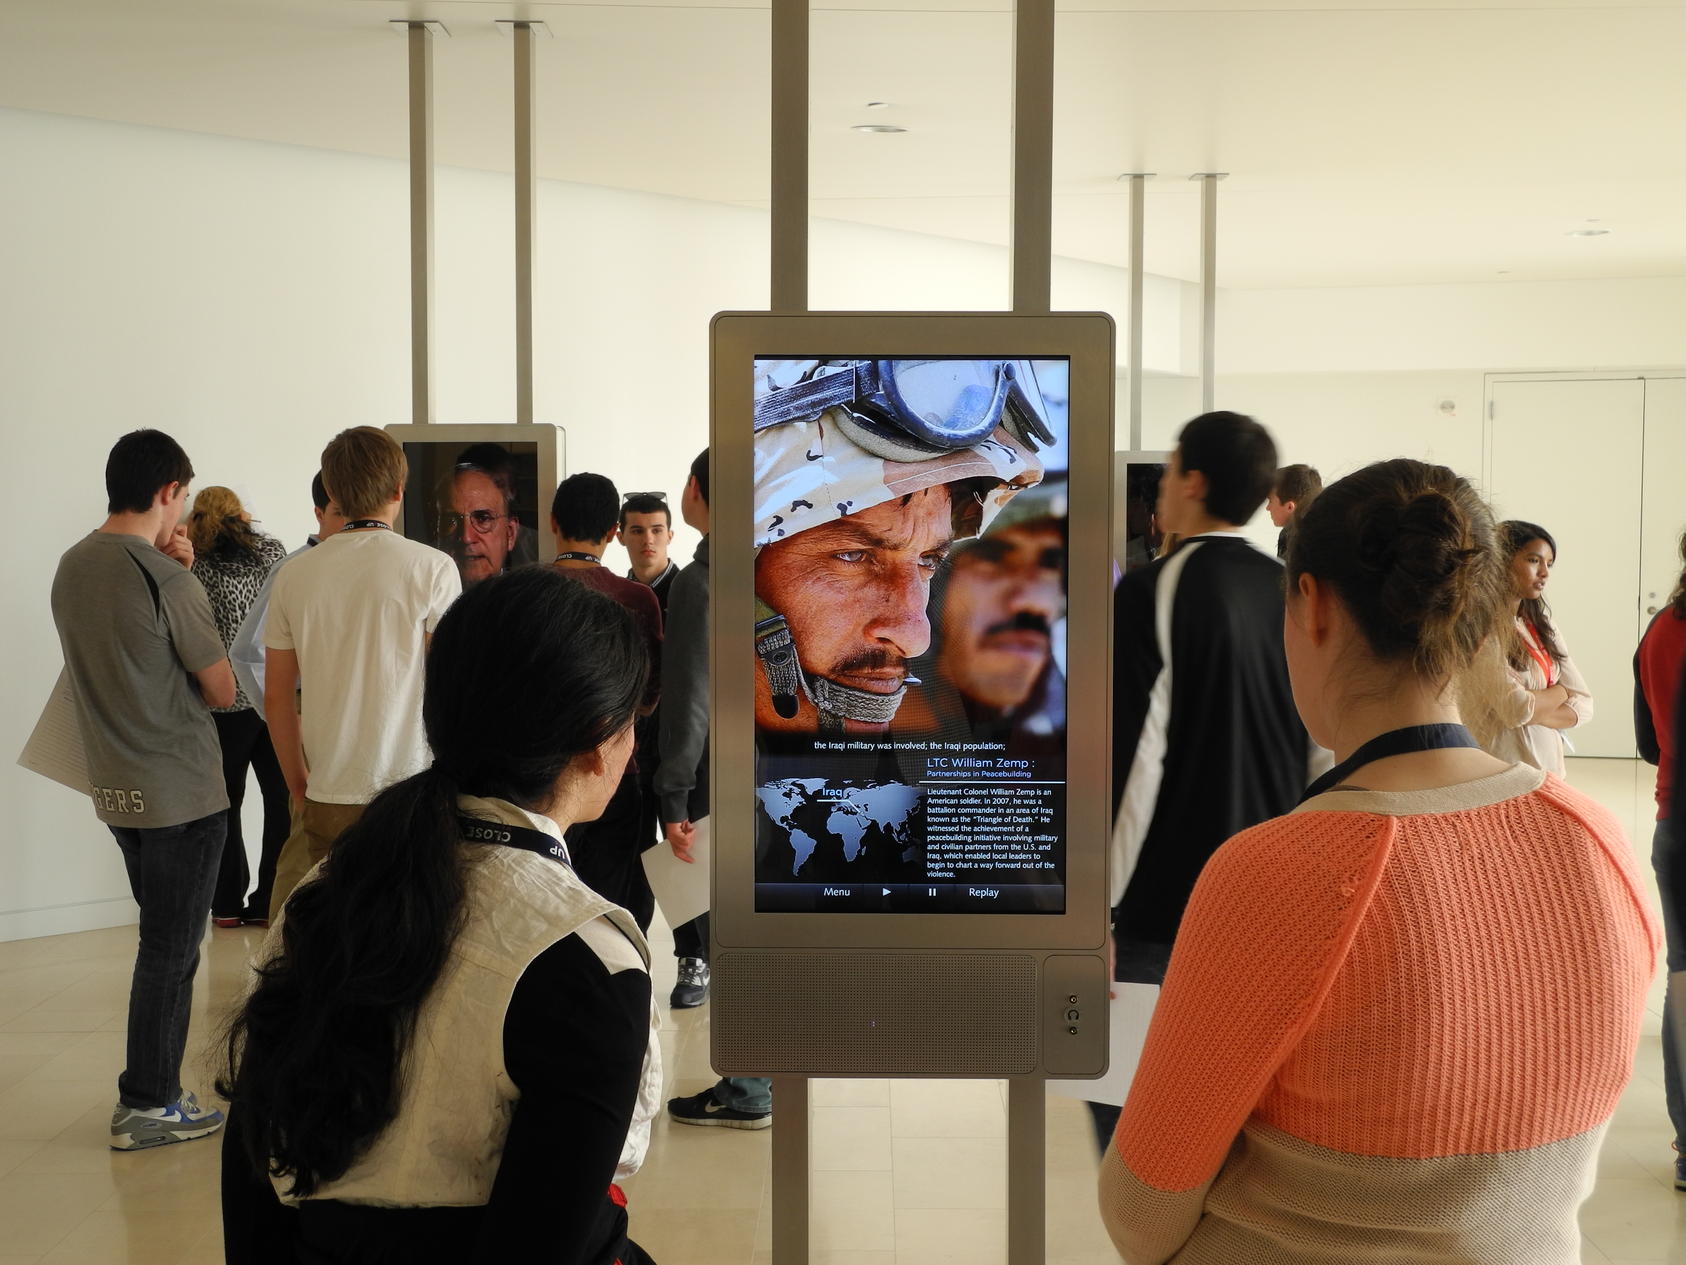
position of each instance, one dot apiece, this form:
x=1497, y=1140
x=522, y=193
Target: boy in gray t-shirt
x=144, y=660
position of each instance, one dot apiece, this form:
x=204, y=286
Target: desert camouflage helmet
x=837, y=437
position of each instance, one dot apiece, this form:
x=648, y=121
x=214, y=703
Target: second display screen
x=910, y=580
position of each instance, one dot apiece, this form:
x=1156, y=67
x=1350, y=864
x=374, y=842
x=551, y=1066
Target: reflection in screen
x=477, y=502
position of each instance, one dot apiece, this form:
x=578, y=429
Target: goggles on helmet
x=913, y=410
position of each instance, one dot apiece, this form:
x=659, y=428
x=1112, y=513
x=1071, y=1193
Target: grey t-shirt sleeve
x=187, y=614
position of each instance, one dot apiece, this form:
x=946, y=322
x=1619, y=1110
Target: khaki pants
x=315, y=827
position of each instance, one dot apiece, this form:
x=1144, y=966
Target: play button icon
x=886, y=891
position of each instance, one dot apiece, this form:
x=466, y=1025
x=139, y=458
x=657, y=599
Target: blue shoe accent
x=143, y=1128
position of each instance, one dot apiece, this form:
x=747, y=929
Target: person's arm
x=1551, y=708
x=1677, y=796
x=1644, y=724
x=193, y=632
x=574, y=1041
x=1136, y=665
x=1266, y=931
x=280, y=682
x=1578, y=697
x=684, y=712
x=650, y=627
x=216, y=684
x=246, y=654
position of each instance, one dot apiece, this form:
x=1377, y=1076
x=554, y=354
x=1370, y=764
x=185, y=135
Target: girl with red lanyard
x=1546, y=693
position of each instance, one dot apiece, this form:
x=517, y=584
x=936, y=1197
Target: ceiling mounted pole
x=419, y=36
x=1031, y=267
x=789, y=185
x=525, y=204
x=788, y=294
x=1033, y=157
x=1138, y=232
x=1208, y=286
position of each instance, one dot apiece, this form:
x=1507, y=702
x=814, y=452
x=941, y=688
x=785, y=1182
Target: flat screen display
x=478, y=502
x=910, y=537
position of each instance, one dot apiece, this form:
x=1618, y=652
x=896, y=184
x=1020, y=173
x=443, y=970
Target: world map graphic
x=856, y=824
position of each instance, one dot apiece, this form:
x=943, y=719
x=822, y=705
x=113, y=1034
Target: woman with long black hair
x=1544, y=693
x=449, y=1051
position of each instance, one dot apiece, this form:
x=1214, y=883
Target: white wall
x=252, y=300
x=1335, y=422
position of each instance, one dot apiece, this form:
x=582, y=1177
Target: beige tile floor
x=903, y=1171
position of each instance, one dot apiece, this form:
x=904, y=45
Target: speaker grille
x=874, y=1014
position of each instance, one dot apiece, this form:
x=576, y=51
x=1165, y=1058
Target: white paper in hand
x=681, y=890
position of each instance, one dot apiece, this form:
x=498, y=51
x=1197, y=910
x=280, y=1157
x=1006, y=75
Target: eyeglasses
x=481, y=520
x=635, y=496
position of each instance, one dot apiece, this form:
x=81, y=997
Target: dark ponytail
x=1410, y=549
x=527, y=671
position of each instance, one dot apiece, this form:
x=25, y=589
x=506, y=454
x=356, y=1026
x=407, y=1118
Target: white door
x=1568, y=456
x=1663, y=496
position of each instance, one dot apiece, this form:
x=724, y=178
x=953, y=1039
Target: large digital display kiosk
x=910, y=560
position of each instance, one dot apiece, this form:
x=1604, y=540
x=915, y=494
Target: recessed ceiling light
x=878, y=105
x=1587, y=232
x=877, y=127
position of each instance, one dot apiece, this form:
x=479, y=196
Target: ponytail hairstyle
x=527, y=671
x=218, y=526
x=1517, y=535
x=1410, y=549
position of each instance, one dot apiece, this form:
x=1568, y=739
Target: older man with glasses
x=477, y=524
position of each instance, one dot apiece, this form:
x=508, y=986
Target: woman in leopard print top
x=232, y=560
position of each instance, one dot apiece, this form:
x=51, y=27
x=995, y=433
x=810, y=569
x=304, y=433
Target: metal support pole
x=789, y=205
x=525, y=195
x=1027, y=1109
x=1033, y=155
x=1032, y=253
x=1138, y=231
x=788, y=292
x=420, y=38
x=1208, y=286
x=790, y=1171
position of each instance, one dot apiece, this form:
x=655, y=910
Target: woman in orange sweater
x=1397, y=1020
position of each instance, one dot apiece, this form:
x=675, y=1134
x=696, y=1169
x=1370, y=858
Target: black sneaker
x=704, y=1109
x=1679, y=1169
x=692, y=989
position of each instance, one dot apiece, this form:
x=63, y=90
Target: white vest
x=444, y=1146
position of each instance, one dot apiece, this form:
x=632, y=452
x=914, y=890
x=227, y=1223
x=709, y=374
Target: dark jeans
x=690, y=939
x=245, y=744
x=171, y=873
x=1668, y=855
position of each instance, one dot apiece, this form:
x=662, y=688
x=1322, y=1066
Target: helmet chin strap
x=836, y=703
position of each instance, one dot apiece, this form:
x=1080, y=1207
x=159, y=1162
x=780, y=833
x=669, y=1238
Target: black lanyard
x=474, y=830
x=571, y=556
x=358, y=524
x=1394, y=742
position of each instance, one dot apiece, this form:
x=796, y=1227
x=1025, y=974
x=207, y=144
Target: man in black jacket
x=681, y=778
x=1205, y=737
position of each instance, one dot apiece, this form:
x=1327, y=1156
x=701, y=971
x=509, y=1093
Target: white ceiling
x=1369, y=142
